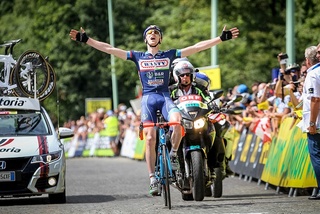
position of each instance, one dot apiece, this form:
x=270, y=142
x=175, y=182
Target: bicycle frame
x=29, y=76
x=163, y=169
x=162, y=147
x=9, y=63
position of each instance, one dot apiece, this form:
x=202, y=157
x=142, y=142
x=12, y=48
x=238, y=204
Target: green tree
x=84, y=72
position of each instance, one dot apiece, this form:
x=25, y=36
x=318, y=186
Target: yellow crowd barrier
x=284, y=162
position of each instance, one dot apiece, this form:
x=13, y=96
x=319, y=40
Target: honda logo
x=2, y=165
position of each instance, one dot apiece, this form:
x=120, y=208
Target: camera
x=283, y=58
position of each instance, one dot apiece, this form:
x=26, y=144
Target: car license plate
x=7, y=176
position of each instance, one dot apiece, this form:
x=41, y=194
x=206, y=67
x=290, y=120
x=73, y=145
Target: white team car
x=32, y=158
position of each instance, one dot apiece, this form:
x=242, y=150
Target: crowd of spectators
x=96, y=122
x=269, y=102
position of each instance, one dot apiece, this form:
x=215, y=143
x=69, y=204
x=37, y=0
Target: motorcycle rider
x=184, y=75
x=191, y=81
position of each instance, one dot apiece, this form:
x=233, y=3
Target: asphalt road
x=120, y=185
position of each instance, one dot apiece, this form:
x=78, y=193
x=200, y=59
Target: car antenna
x=58, y=111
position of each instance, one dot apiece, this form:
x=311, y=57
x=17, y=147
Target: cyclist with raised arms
x=153, y=68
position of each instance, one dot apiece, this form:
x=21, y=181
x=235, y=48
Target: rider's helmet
x=183, y=67
x=174, y=62
x=203, y=80
x=152, y=27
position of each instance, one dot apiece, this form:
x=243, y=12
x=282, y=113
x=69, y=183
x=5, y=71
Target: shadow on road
x=71, y=199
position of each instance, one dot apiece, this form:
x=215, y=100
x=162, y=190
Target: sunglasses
x=153, y=31
x=182, y=75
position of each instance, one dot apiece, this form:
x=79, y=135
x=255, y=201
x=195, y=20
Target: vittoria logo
x=13, y=149
x=5, y=142
x=11, y=102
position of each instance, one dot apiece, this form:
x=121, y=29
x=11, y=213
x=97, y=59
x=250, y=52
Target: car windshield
x=17, y=123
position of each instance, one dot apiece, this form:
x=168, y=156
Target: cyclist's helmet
x=152, y=27
x=203, y=80
x=183, y=67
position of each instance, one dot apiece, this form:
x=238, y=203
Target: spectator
x=111, y=124
x=311, y=113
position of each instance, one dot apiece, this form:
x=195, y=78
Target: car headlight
x=46, y=158
x=198, y=124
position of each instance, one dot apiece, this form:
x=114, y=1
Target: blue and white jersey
x=154, y=69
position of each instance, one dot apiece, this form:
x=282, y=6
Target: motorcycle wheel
x=198, y=175
x=217, y=188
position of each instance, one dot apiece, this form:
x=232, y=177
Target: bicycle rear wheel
x=51, y=86
x=166, y=184
x=31, y=65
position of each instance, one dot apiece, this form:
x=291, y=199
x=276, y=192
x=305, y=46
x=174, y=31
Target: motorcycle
x=217, y=158
x=200, y=134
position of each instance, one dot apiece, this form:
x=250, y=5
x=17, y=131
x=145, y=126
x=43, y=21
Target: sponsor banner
x=231, y=136
x=288, y=163
x=129, y=144
x=253, y=164
x=249, y=154
x=93, y=104
x=95, y=145
x=214, y=74
x=139, y=153
x=236, y=164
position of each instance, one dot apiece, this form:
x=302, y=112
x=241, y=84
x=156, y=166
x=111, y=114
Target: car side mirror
x=65, y=133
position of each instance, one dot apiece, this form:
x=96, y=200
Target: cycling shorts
x=150, y=103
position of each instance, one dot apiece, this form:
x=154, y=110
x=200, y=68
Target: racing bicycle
x=163, y=169
x=29, y=76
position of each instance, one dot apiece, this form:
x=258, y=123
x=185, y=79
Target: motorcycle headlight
x=198, y=124
x=46, y=158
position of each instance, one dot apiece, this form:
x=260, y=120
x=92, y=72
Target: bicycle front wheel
x=166, y=184
x=32, y=74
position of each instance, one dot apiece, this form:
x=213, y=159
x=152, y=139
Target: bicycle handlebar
x=162, y=124
x=10, y=44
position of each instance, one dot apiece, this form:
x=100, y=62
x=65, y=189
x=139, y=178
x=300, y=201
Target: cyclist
x=153, y=68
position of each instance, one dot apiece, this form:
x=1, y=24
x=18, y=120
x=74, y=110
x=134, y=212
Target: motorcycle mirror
x=217, y=94
x=235, y=98
x=235, y=110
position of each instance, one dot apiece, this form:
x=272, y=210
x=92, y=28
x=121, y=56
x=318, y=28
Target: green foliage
x=83, y=72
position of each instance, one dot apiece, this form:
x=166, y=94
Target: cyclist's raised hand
x=79, y=36
x=229, y=34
